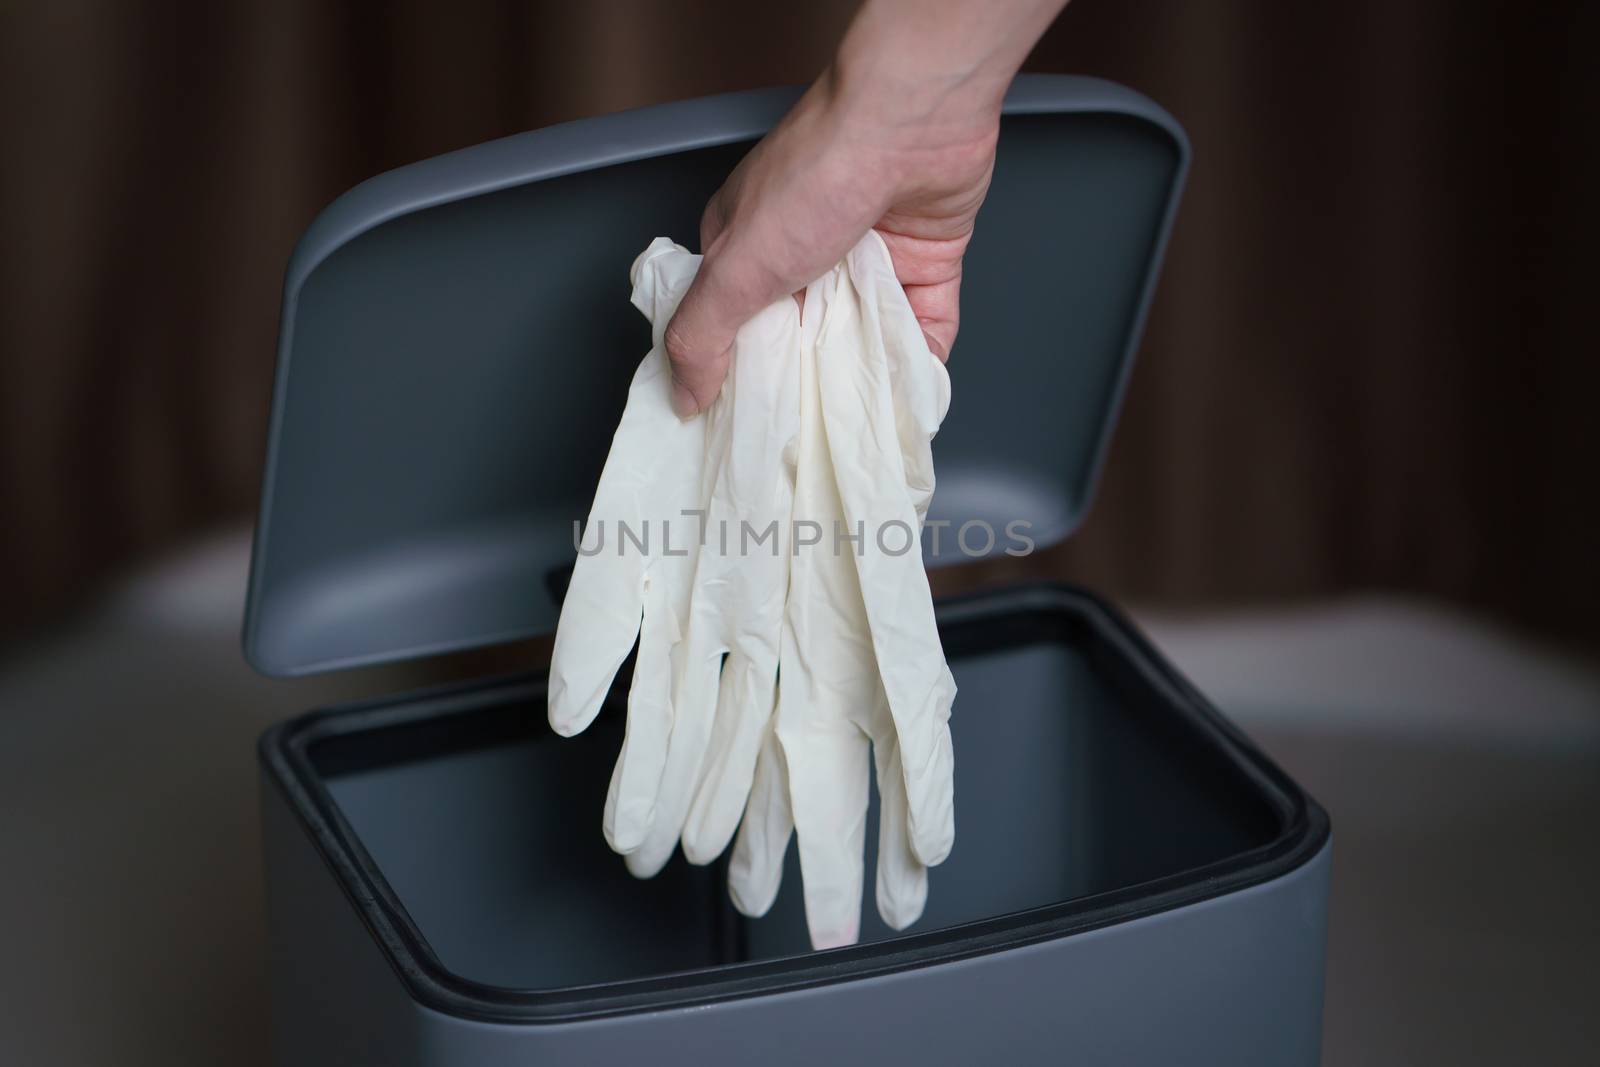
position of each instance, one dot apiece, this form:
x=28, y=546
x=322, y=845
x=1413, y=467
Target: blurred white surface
x=1388, y=666
x=1461, y=766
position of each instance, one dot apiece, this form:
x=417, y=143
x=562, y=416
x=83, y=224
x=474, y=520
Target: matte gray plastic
x=457, y=342
x=1079, y=776
x=1236, y=979
x=1132, y=883
x=1091, y=802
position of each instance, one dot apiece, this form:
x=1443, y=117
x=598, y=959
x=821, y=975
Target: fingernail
x=683, y=402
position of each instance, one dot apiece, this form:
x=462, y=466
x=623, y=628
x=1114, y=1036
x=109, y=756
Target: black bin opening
x=1076, y=774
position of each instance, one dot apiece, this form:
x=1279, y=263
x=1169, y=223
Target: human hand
x=899, y=136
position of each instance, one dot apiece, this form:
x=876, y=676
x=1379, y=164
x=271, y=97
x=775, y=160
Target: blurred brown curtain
x=1372, y=361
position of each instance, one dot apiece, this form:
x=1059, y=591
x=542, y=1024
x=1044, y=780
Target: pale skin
x=897, y=135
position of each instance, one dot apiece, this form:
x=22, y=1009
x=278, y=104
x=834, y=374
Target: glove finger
x=744, y=708
x=600, y=619
x=737, y=600
x=650, y=473
x=902, y=888
x=919, y=380
x=694, y=704
x=860, y=392
x=758, y=477
x=756, y=866
x=660, y=276
x=930, y=785
x=828, y=783
x=631, y=798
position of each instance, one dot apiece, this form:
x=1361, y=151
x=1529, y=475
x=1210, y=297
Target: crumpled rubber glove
x=704, y=727
x=725, y=687
x=671, y=587
x=861, y=665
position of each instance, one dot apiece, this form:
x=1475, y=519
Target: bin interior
x=1077, y=772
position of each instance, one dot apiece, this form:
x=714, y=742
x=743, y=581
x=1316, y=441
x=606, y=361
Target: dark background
x=1371, y=363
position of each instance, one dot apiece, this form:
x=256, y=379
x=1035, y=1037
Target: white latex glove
x=623, y=593
x=726, y=682
x=861, y=662
x=691, y=597
x=884, y=395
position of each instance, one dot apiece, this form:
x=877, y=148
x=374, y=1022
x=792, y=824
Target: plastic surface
x=457, y=342
x=453, y=358
x=430, y=904
x=532, y=900
x=448, y=812
x=1236, y=979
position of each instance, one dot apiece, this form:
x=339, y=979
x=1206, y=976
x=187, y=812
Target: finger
x=745, y=706
x=929, y=272
x=756, y=866
x=729, y=290
x=902, y=888
x=714, y=219
x=828, y=783
x=631, y=798
x=938, y=311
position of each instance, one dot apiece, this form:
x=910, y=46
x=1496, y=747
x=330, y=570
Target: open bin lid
x=457, y=342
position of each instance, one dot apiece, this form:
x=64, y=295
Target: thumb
x=725, y=294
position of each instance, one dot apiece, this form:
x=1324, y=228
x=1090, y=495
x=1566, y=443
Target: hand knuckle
x=680, y=350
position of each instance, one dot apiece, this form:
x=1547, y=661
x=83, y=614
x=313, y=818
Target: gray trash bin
x=1132, y=882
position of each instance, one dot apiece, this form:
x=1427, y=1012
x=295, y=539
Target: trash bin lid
x=456, y=345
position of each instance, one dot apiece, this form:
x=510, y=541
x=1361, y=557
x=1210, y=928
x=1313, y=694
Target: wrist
x=892, y=92
x=901, y=127
x=937, y=60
